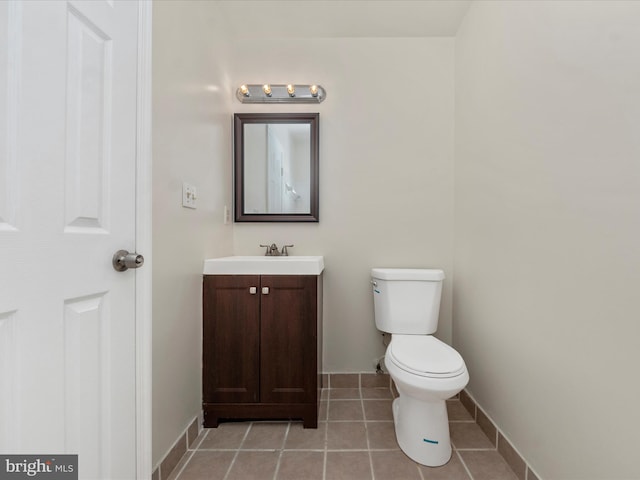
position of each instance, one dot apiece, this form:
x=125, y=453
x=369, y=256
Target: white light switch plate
x=189, y=195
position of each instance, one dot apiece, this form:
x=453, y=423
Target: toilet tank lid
x=428, y=274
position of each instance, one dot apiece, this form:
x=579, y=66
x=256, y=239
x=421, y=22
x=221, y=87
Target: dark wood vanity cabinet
x=261, y=347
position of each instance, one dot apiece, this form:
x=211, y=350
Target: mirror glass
x=276, y=167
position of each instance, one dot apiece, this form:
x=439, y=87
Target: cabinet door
x=288, y=339
x=231, y=335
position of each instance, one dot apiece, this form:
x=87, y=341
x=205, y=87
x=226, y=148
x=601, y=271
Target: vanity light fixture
x=290, y=93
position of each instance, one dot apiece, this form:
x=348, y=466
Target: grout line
x=326, y=431
x=356, y=420
x=233, y=461
x=197, y=445
x=175, y=444
x=187, y=458
x=325, y=444
x=284, y=442
x=498, y=433
x=366, y=433
x=477, y=449
x=232, y=450
x=464, y=465
x=325, y=448
x=420, y=472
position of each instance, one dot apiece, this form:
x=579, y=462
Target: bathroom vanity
x=262, y=338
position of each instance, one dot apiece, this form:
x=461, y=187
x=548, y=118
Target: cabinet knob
x=253, y=290
x=265, y=290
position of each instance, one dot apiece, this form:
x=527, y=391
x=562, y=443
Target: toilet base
x=422, y=430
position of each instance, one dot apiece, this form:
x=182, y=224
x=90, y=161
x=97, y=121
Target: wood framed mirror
x=276, y=165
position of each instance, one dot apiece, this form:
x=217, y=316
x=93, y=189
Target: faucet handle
x=268, y=247
x=285, y=252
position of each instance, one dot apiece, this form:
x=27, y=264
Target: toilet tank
x=406, y=300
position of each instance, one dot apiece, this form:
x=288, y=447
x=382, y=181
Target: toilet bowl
x=425, y=370
x=425, y=379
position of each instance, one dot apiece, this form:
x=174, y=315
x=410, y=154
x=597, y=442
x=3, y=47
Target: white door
x=67, y=204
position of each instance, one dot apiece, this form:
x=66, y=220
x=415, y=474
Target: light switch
x=189, y=195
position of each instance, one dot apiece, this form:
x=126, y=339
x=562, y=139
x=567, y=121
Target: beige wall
x=191, y=142
x=547, y=214
x=547, y=187
x=386, y=181
x=386, y=172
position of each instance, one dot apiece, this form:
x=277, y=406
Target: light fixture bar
x=267, y=93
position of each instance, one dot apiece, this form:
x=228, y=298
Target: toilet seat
x=426, y=356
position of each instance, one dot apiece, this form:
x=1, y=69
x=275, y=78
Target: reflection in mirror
x=276, y=160
x=276, y=167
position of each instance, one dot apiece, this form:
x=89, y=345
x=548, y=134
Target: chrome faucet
x=272, y=250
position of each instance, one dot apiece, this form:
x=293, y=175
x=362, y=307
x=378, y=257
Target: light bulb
x=267, y=89
x=291, y=90
x=244, y=90
x=314, y=90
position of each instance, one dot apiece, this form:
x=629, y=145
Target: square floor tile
x=207, y=466
x=345, y=410
x=300, y=438
x=377, y=393
x=382, y=435
x=394, y=465
x=301, y=466
x=265, y=436
x=344, y=393
x=487, y=465
x=453, y=470
x=226, y=436
x=250, y=465
x=346, y=436
x=378, y=409
x=348, y=466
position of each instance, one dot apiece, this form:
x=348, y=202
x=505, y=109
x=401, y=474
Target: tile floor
x=355, y=440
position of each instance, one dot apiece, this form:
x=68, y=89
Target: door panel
x=89, y=117
x=86, y=363
x=231, y=331
x=288, y=338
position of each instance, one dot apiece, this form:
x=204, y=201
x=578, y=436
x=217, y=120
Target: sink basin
x=263, y=265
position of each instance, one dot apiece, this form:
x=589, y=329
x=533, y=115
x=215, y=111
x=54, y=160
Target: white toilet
x=425, y=370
